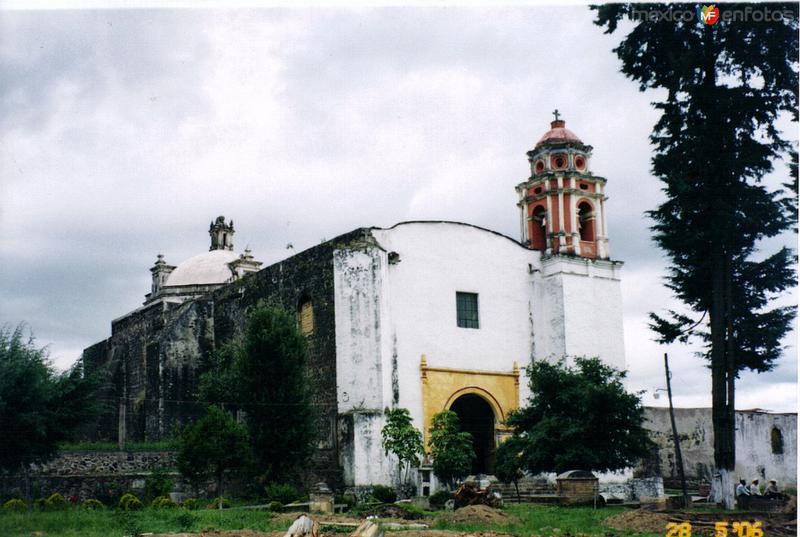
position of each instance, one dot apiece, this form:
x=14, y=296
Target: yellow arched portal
x=442, y=386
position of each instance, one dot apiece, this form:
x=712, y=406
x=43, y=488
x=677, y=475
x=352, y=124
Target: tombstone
x=577, y=487
x=321, y=499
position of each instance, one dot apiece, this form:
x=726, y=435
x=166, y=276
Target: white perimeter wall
x=754, y=456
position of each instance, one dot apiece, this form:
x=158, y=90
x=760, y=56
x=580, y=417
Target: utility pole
x=675, y=439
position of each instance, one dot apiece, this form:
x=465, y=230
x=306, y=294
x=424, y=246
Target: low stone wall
x=633, y=489
x=85, y=463
x=93, y=474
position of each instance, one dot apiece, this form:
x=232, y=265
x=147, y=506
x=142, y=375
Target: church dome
x=558, y=133
x=204, y=269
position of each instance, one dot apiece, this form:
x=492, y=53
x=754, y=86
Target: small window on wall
x=306, y=318
x=467, y=310
x=776, y=439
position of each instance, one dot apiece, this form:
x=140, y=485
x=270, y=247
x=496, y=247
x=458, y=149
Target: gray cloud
x=124, y=132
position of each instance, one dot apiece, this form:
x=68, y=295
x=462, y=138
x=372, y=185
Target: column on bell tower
x=562, y=204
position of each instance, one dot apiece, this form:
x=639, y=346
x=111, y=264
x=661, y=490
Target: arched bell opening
x=586, y=221
x=538, y=228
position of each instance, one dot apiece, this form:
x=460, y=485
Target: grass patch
x=166, y=445
x=531, y=520
x=115, y=523
x=548, y=520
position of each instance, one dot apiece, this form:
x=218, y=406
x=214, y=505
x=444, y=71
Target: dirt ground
x=251, y=533
x=639, y=520
x=774, y=524
x=474, y=514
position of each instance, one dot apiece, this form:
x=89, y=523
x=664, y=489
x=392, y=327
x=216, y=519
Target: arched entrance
x=477, y=418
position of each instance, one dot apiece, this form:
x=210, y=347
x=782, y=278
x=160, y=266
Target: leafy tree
x=158, y=483
x=451, y=448
x=508, y=466
x=265, y=376
x=211, y=446
x=725, y=87
x=580, y=418
x=403, y=440
x=218, y=384
x=39, y=406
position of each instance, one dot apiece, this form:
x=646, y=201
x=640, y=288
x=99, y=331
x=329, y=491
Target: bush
x=55, y=502
x=185, y=521
x=348, y=500
x=39, y=504
x=279, y=492
x=384, y=494
x=275, y=506
x=439, y=498
x=163, y=502
x=15, y=506
x=92, y=504
x=158, y=483
x=215, y=504
x=109, y=492
x=129, y=502
x=191, y=504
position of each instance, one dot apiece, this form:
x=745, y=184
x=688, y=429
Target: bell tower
x=562, y=204
x=221, y=234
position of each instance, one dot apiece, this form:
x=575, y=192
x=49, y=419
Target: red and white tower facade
x=562, y=204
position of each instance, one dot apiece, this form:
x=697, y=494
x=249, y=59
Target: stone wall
x=756, y=456
x=92, y=474
x=157, y=353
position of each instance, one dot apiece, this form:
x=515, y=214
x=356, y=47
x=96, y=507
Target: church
x=428, y=316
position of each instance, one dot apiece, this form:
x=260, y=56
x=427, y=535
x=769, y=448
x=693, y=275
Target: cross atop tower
x=556, y=114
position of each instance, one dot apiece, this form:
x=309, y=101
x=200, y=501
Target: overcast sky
x=124, y=132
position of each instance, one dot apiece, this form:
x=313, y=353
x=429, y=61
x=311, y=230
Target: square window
x=467, y=310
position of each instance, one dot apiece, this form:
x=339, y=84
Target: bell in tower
x=221, y=234
x=562, y=204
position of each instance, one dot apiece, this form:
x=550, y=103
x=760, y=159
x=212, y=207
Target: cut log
x=303, y=526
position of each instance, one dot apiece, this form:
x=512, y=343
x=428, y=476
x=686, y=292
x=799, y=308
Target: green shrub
x=348, y=500
x=439, y=498
x=15, y=506
x=158, y=483
x=384, y=494
x=55, y=502
x=92, y=504
x=215, y=504
x=129, y=502
x=185, y=521
x=109, y=491
x=279, y=492
x=163, y=502
x=191, y=504
x=275, y=506
x=39, y=504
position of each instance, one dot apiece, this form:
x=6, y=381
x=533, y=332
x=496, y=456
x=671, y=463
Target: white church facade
x=426, y=316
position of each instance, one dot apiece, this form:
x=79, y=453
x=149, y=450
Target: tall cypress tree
x=726, y=86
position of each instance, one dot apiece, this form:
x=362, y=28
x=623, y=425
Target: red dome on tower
x=558, y=133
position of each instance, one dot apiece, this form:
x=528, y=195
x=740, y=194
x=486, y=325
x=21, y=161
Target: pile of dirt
x=479, y=514
x=639, y=520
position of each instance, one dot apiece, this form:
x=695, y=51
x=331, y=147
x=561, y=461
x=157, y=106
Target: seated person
x=772, y=490
x=741, y=489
